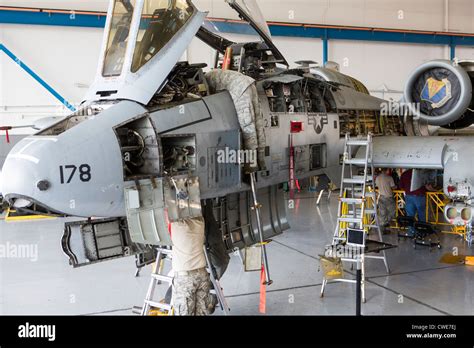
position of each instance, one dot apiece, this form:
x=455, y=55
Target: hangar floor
x=417, y=285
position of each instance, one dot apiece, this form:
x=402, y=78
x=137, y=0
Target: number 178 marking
x=70, y=171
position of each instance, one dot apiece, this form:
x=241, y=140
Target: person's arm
x=392, y=184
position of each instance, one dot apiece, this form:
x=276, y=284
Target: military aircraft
x=157, y=139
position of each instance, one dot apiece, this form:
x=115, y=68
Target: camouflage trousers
x=191, y=293
x=387, y=208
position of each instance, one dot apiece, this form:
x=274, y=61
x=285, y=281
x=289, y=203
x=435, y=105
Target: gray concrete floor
x=418, y=283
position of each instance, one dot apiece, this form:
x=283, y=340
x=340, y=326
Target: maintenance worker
x=415, y=201
x=191, y=283
x=386, y=202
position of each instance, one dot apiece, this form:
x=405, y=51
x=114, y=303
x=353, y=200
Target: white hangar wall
x=435, y=15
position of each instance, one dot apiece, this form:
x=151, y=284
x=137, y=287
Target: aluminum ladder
x=356, y=194
x=157, y=277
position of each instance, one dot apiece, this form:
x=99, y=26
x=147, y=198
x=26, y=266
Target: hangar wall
x=66, y=57
x=435, y=15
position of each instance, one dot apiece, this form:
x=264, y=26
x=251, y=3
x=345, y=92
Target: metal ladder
x=357, y=191
x=157, y=277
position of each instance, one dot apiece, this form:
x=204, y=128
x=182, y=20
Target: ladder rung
x=353, y=181
x=367, y=194
x=358, y=179
x=163, y=278
x=350, y=220
x=352, y=200
x=357, y=142
x=166, y=251
x=159, y=305
x=357, y=161
x=366, y=211
x=351, y=212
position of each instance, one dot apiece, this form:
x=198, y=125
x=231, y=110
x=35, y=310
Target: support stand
x=256, y=208
x=359, y=288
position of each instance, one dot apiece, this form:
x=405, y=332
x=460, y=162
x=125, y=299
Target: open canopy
x=250, y=12
x=143, y=41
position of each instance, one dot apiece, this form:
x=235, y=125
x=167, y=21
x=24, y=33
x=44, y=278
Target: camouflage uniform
x=191, y=293
x=387, y=209
x=386, y=203
x=191, y=283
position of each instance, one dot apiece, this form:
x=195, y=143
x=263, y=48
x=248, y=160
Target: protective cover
x=245, y=96
x=437, y=91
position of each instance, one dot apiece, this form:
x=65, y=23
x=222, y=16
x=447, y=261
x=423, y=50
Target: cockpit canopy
x=137, y=42
x=250, y=11
x=118, y=37
x=160, y=20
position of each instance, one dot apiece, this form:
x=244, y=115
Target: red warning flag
x=297, y=183
x=8, y=137
x=263, y=292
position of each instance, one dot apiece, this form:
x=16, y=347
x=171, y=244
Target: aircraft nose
x=66, y=174
x=26, y=173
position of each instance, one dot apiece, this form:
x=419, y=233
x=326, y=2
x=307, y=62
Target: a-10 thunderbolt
x=157, y=139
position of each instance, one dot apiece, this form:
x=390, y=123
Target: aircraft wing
x=408, y=152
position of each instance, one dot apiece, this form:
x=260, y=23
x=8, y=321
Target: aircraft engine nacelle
x=439, y=92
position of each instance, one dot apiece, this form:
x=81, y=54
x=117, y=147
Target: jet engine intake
x=439, y=92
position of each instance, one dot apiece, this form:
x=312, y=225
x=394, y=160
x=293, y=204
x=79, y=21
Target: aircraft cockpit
x=159, y=21
x=157, y=27
x=143, y=41
x=118, y=37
